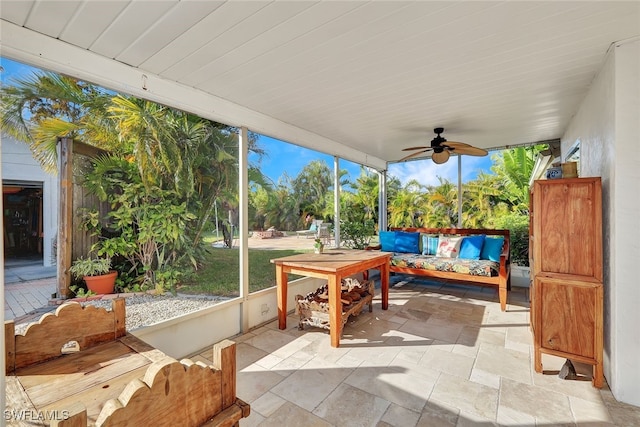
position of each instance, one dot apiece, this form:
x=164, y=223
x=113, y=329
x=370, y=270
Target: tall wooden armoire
x=566, y=259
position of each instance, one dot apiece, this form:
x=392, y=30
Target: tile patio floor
x=438, y=357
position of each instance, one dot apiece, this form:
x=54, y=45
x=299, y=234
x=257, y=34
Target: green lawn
x=220, y=272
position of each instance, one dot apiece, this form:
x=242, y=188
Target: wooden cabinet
x=566, y=259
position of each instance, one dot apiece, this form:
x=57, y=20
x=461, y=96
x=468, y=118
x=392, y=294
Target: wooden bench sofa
x=79, y=367
x=481, y=272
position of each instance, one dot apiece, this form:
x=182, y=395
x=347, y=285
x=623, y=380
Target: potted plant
x=318, y=246
x=96, y=273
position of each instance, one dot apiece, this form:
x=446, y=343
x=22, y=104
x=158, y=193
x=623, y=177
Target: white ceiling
x=374, y=76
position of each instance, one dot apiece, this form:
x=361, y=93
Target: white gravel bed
x=146, y=310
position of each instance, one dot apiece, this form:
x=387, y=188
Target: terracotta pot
x=103, y=284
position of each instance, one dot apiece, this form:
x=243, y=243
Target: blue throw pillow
x=492, y=248
x=407, y=242
x=387, y=240
x=472, y=246
x=429, y=245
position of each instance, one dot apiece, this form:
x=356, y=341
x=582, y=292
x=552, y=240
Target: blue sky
x=284, y=157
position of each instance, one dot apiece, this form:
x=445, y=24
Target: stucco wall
x=607, y=125
x=18, y=164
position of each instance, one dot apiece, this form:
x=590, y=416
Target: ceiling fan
x=442, y=149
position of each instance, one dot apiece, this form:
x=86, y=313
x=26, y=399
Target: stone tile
x=350, y=406
x=273, y=341
x=504, y=362
x=252, y=382
x=292, y=363
x=586, y=412
x=485, y=378
x=414, y=314
x=292, y=415
x=468, y=396
x=242, y=338
x=253, y=420
x=311, y=384
x=374, y=355
x=425, y=328
x=512, y=417
x=438, y=414
x=443, y=346
x=321, y=349
x=370, y=331
x=622, y=414
x=268, y=361
x=474, y=335
x=468, y=419
x=399, y=416
x=520, y=334
x=434, y=328
x=543, y=404
x=247, y=355
x=468, y=343
x=396, y=385
x=450, y=363
x=411, y=349
x=415, y=369
x=580, y=387
x=267, y=404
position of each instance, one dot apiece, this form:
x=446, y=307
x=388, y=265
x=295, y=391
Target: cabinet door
x=568, y=227
x=567, y=317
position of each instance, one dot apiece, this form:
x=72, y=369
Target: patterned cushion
x=456, y=265
x=449, y=246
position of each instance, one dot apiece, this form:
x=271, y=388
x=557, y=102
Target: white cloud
x=426, y=172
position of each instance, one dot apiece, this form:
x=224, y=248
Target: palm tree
x=45, y=106
x=513, y=168
x=480, y=198
x=407, y=207
x=366, y=195
x=441, y=205
x=310, y=187
x=284, y=213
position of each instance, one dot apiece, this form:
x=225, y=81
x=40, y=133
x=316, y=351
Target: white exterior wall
x=608, y=127
x=19, y=164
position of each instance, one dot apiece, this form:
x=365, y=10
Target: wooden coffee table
x=332, y=265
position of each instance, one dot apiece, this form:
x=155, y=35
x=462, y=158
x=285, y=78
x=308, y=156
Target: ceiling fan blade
x=454, y=144
x=416, y=154
x=415, y=148
x=469, y=150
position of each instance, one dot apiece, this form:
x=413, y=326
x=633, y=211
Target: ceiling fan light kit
x=442, y=149
x=441, y=157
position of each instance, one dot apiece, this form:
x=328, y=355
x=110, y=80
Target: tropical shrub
x=518, y=226
x=147, y=224
x=356, y=235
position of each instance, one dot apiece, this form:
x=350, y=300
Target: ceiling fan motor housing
x=435, y=142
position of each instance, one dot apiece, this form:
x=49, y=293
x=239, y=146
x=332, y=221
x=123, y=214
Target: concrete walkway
x=28, y=289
